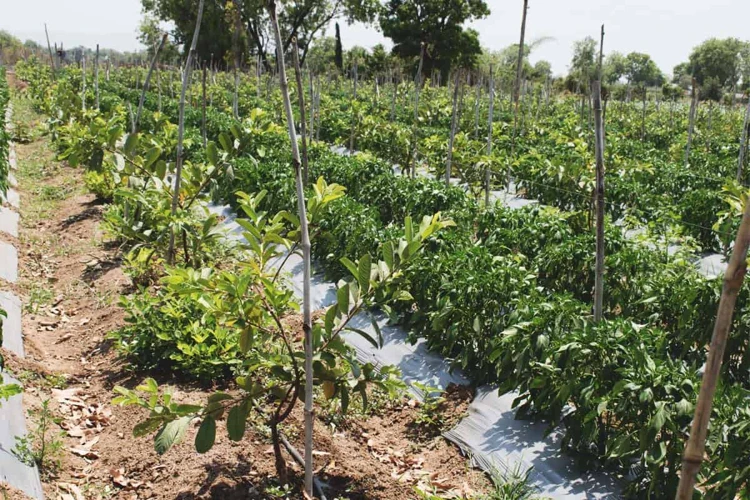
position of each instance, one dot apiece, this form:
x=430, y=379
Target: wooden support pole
x=734, y=276
x=452, y=137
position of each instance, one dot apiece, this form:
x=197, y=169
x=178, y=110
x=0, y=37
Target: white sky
x=665, y=29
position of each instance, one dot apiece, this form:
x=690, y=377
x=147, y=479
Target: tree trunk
x=306, y=250
x=181, y=128
x=733, y=279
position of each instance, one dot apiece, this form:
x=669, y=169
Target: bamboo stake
x=743, y=143
x=599, y=150
x=236, y=50
x=306, y=249
x=203, y=116
x=489, y=141
x=451, y=139
x=691, y=123
x=733, y=279
x=83, y=82
x=51, y=57
x=147, y=83
x=418, y=85
x=519, y=70
x=96, y=76
x=301, y=101
x=181, y=128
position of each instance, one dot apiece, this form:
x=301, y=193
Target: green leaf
x=342, y=297
x=171, y=434
x=206, y=436
x=236, y=420
x=365, y=335
x=131, y=142
x=246, y=339
x=363, y=273
x=351, y=266
x=212, y=153
x=146, y=427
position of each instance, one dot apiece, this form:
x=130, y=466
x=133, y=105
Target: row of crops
x=504, y=294
x=4, y=136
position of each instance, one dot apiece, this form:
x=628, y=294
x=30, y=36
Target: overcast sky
x=665, y=29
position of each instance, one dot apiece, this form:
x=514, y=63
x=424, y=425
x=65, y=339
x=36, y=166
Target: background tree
x=304, y=19
x=582, y=66
x=339, y=54
x=642, y=71
x=150, y=33
x=718, y=65
x=321, y=58
x=614, y=68
x=681, y=75
x=439, y=25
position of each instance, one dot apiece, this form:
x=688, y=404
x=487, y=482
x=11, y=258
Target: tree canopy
x=304, y=19
x=439, y=25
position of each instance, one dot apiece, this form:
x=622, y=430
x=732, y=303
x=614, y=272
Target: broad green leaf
x=206, y=436
x=236, y=421
x=170, y=434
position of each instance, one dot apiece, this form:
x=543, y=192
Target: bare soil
x=70, y=281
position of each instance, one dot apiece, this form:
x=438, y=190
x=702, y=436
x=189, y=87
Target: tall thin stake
x=83, y=82
x=519, y=70
x=691, y=121
x=51, y=57
x=305, y=241
x=743, y=143
x=203, y=107
x=733, y=279
x=301, y=100
x=418, y=86
x=487, y=172
x=181, y=127
x=452, y=137
x=599, y=150
x=96, y=76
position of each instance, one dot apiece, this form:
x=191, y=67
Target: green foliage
x=429, y=414
x=437, y=25
x=43, y=445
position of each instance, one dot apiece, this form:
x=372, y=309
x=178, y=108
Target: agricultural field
x=274, y=279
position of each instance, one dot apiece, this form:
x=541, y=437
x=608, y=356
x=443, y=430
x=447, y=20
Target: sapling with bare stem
x=306, y=251
x=181, y=128
x=147, y=83
x=301, y=100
